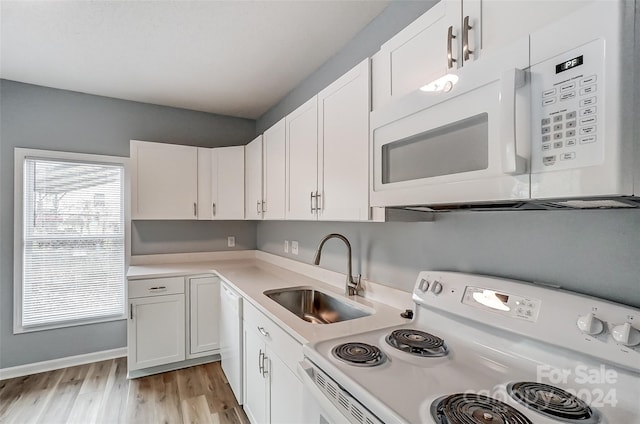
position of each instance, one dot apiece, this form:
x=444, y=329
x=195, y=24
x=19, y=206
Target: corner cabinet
x=273, y=392
x=204, y=315
x=265, y=174
x=170, y=181
x=221, y=183
x=164, y=181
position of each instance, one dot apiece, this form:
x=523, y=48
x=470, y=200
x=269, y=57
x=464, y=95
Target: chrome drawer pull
x=263, y=332
x=157, y=288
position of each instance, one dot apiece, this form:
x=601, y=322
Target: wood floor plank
x=219, y=394
x=195, y=410
x=114, y=402
x=64, y=395
x=97, y=376
x=140, y=402
x=101, y=393
x=190, y=383
x=166, y=398
x=27, y=396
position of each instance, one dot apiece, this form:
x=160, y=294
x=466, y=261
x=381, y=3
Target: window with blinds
x=73, y=244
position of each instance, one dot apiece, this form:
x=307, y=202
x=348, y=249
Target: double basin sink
x=315, y=306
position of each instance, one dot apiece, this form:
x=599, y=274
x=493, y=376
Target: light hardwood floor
x=101, y=393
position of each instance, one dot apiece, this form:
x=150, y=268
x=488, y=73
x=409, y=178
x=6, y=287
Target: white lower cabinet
x=166, y=327
x=156, y=327
x=273, y=392
x=204, y=315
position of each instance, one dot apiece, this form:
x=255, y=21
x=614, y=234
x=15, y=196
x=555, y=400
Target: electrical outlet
x=231, y=241
x=294, y=247
x=286, y=246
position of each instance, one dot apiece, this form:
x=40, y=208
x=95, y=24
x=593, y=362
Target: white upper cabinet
x=302, y=161
x=273, y=171
x=415, y=56
x=506, y=21
x=343, y=136
x=253, y=179
x=164, y=181
x=453, y=34
x=328, y=152
x=221, y=183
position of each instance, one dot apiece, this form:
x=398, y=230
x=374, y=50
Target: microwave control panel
x=567, y=111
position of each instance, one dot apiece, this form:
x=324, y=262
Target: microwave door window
x=459, y=147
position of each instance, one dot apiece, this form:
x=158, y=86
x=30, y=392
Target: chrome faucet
x=352, y=286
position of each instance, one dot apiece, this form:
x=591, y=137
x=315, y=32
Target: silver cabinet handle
x=318, y=207
x=466, y=51
x=450, y=59
x=261, y=362
x=311, y=197
x=263, y=332
x=258, y=207
x=213, y=209
x=264, y=206
x=157, y=288
x=264, y=365
x=195, y=209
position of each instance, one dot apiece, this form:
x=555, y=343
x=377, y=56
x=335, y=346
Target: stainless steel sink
x=315, y=306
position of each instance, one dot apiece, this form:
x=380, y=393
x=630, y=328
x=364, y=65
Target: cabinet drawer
x=156, y=287
x=277, y=340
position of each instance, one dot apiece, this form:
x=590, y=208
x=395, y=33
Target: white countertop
x=250, y=277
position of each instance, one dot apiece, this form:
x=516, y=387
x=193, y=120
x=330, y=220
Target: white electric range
x=483, y=350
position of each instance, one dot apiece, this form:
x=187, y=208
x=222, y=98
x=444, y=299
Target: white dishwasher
x=231, y=338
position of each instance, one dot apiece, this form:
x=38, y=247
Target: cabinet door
x=273, y=149
x=228, y=182
x=164, y=181
x=343, y=117
x=204, y=315
x=505, y=21
x=205, y=183
x=285, y=393
x=256, y=399
x=253, y=179
x=416, y=56
x=156, y=331
x=302, y=161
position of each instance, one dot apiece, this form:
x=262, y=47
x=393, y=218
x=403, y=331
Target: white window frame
x=20, y=154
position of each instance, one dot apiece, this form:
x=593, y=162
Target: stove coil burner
x=470, y=408
x=417, y=342
x=552, y=402
x=359, y=354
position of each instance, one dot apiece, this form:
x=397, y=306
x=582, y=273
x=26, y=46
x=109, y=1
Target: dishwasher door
x=231, y=338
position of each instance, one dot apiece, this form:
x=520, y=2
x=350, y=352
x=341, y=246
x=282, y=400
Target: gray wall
x=45, y=118
x=393, y=18
x=591, y=252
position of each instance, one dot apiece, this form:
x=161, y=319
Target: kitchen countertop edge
x=251, y=273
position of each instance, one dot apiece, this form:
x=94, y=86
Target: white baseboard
x=55, y=364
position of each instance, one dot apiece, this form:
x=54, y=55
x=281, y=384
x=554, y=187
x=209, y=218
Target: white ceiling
x=235, y=58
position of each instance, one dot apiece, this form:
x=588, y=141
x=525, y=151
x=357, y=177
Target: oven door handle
x=305, y=372
x=510, y=81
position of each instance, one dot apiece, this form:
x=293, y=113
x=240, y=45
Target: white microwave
x=549, y=119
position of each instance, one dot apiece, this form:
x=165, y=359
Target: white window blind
x=73, y=264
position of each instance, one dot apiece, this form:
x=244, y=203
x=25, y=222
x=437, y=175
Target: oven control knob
x=436, y=287
x=625, y=334
x=589, y=324
x=424, y=285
